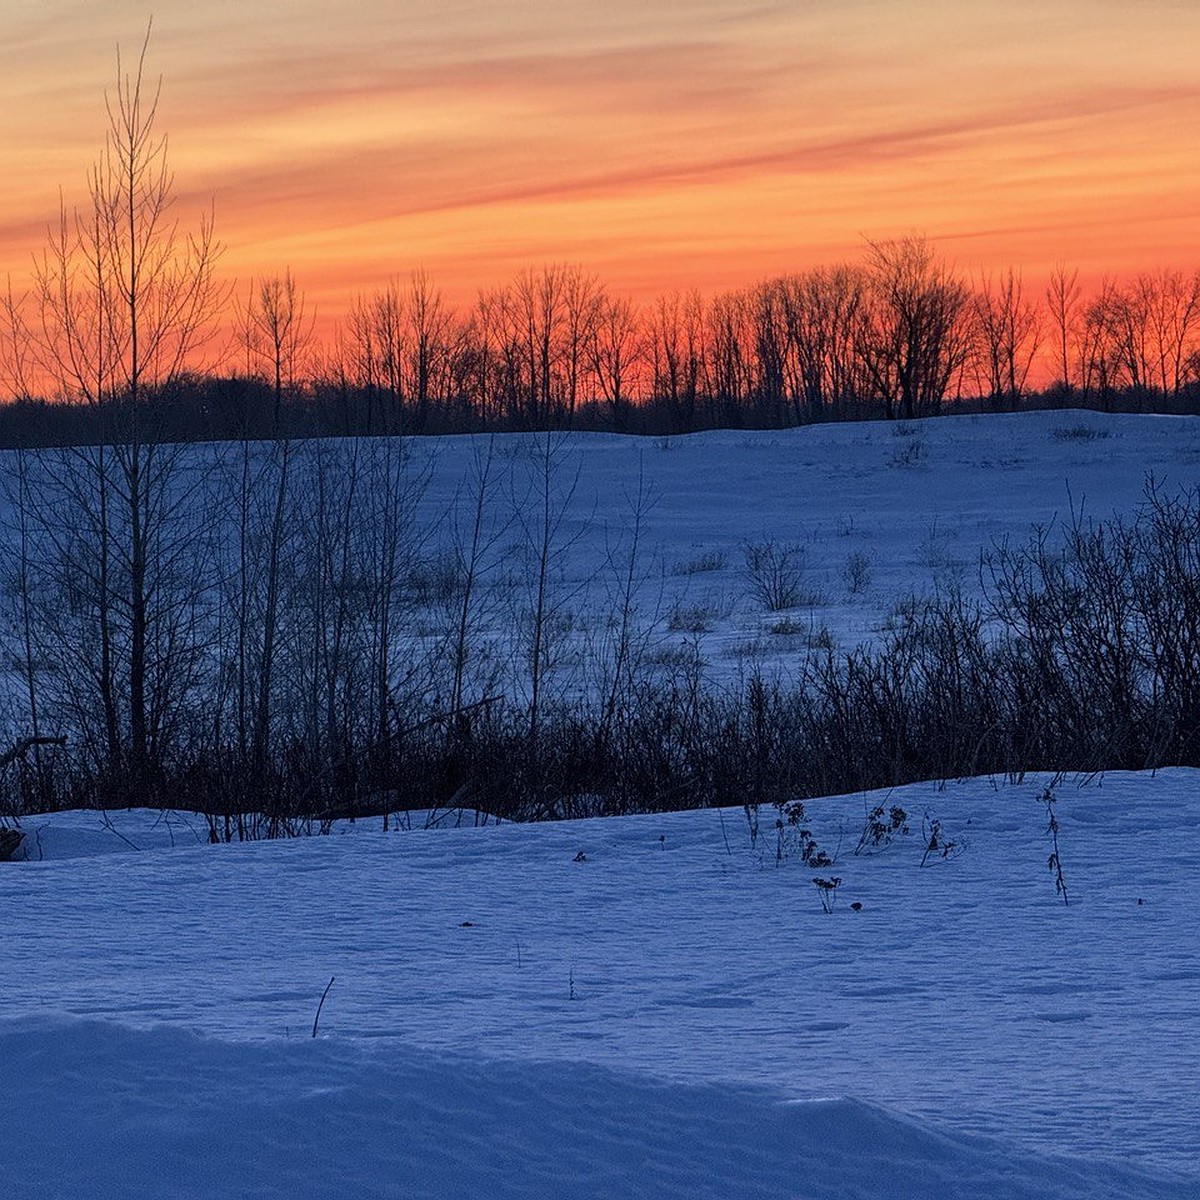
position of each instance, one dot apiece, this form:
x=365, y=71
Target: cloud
x=430, y=177
x=641, y=132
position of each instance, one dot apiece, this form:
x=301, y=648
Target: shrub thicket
x=1081, y=655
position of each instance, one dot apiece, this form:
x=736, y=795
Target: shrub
x=938, y=847
x=793, y=838
x=690, y=618
x=435, y=581
x=828, y=890
x=1078, y=433
x=710, y=560
x=856, y=573
x=787, y=627
x=912, y=454
x=775, y=574
x=880, y=829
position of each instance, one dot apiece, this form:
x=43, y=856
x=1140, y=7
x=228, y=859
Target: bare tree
x=1098, y=366
x=677, y=351
x=539, y=306
x=124, y=300
x=1170, y=302
x=616, y=353
x=429, y=323
x=1063, y=304
x=375, y=347
x=584, y=302
x=729, y=355
x=541, y=515
x=916, y=342
x=507, y=357
x=1008, y=329
x=823, y=311
x=276, y=334
x=772, y=350
x=624, y=642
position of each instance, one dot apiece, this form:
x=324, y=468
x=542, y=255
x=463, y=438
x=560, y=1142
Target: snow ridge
x=92, y=1110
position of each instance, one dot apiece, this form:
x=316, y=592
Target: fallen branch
x=22, y=747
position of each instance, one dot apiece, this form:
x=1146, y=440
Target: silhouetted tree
x=1062, y=302
x=123, y=302
x=276, y=335
x=1008, y=331
x=916, y=342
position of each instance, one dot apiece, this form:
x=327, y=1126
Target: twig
x=1054, y=862
x=106, y=821
x=317, y=1018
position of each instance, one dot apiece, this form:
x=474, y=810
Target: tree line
x=897, y=335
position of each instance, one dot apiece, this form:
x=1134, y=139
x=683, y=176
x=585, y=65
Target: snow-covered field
x=672, y=1015
x=913, y=503
x=648, y=1006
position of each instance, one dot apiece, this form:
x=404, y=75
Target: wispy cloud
x=695, y=134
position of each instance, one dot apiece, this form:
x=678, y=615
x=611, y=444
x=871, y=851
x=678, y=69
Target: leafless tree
x=124, y=300
x=624, y=641
x=916, y=342
x=539, y=306
x=276, y=334
x=729, y=356
x=772, y=350
x=823, y=311
x=677, y=351
x=1168, y=304
x=541, y=514
x=1009, y=332
x=584, y=303
x=429, y=322
x=374, y=349
x=468, y=667
x=616, y=353
x=1063, y=305
x=1099, y=357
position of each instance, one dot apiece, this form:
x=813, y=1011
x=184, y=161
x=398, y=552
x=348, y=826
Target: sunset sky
x=668, y=143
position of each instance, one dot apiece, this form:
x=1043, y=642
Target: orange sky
x=662, y=143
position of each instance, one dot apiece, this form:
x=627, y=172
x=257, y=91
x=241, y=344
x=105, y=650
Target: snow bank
x=93, y=1111
x=87, y=833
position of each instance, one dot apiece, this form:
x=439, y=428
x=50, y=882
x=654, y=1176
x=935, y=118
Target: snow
x=919, y=518
x=671, y=1014
x=676, y=1013
x=140, y=1114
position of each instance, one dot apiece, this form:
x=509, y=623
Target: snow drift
x=94, y=1111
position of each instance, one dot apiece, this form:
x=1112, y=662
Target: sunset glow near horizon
x=668, y=145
